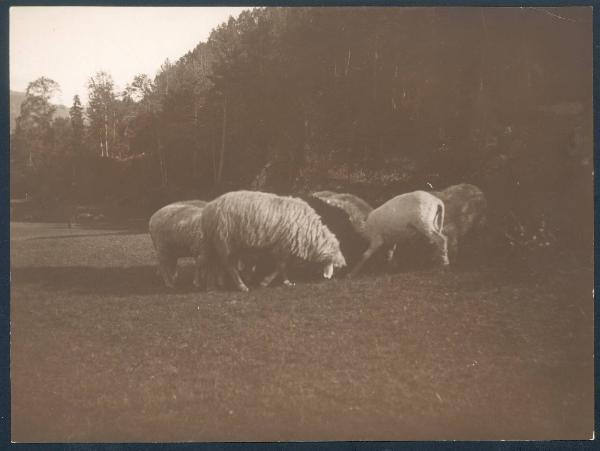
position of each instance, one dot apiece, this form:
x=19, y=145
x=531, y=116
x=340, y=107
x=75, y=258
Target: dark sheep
x=352, y=244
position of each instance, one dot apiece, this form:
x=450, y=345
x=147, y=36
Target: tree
x=139, y=89
x=33, y=126
x=77, y=125
x=102, y=111
x=32, y=140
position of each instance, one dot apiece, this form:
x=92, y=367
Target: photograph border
x=5, y=248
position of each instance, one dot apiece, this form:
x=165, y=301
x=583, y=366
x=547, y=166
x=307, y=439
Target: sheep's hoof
x=287, y=283
x=243, y=288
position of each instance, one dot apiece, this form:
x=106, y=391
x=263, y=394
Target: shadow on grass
x=134, y=280
x=82, y=235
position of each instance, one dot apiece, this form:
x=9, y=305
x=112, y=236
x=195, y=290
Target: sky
x=71, y=44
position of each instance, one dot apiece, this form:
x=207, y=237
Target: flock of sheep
x=242, y=234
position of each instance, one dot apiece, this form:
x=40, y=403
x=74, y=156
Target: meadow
x=102, y=351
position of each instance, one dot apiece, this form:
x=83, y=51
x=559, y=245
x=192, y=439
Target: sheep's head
x=443, y=257
x=337, y=260
x=327, y=252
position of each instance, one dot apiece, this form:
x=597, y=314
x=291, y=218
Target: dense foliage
x=376, y=101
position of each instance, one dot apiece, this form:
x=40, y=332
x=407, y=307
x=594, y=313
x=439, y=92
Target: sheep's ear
x=328, y=271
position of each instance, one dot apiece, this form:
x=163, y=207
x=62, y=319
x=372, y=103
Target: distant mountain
x=17, y=98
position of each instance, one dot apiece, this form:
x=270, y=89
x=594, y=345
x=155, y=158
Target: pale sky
x=71, y=44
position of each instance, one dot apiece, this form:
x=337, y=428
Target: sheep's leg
x=173, y=270
x=167, y=266
x=286, y=280
x=234, y=273
x=452, y=244
x=280, y=269
x=245, y=268
x=373, y=247
x=236, y=278
x=441, y=242
x=390, y=253
x=199, y=273
x=228, y=260
x=166, y=276
x=214, y=274
x=391, y=262
x=271, y=277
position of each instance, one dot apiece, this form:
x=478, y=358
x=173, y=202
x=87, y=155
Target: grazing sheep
x=401, y=218
x=286, y=227
x=357, y=209
x=465, y=207
x=352, y=244
x=176, y=231
x=337, y=220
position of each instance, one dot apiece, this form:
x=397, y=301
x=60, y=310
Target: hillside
x=17, y=98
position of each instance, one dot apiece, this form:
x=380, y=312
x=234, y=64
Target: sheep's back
x=324, y=194
x=256, y=220
x=177, y=229
x=357, y=209
x=360, y=204
x=402, y=215
x=195, y=203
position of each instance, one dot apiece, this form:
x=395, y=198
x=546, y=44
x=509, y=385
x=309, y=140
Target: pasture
x=102, y=351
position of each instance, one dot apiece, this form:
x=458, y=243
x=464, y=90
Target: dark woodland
x=376, y=102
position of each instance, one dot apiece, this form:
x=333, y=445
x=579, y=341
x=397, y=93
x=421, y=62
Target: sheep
x=352, y=244
x=286, y=227
x=337, y=220
x=401, y=218
x=357, y=208
x=176, y=231
x=465, y=206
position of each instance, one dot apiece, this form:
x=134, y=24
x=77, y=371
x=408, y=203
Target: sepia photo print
x=256, y=224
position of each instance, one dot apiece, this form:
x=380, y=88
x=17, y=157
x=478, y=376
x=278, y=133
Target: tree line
x=376, y=101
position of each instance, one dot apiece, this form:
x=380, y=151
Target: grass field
x=101, y=351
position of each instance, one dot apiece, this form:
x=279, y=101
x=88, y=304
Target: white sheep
x=176, y=231
x=400, y=219
x=286, y=227
x=465, y=207
x=357, y=209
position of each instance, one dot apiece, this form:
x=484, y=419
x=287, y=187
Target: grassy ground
x=101, y=351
